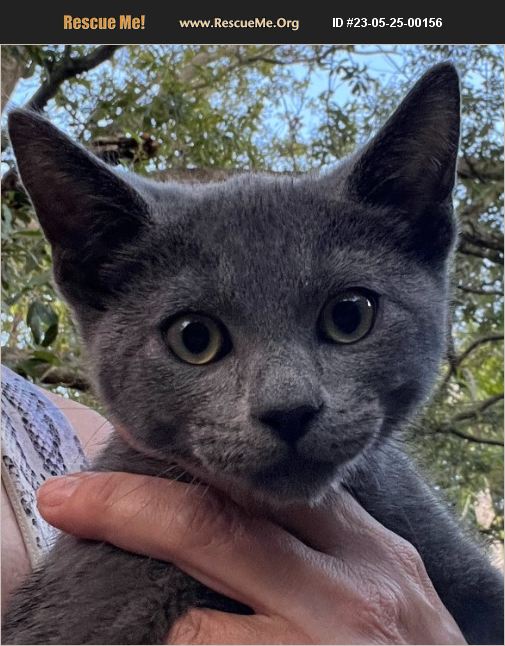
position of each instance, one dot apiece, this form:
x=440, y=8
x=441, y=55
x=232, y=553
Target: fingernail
x=57, y=490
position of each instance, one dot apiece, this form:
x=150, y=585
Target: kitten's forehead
x=280, y=225
x=257, y=243
x=260, y=231
x=262, y=222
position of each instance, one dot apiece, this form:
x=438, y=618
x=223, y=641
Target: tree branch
x=468, y=249
x=483, y=239
x=470, y=414
x=480, y=169
x=480, y=292
x=57, y=74
x=488, y=338
x=455, y=360
x=13, y=68
x=44, y=372
x=66, y=377
x=471, y=438
x=68, y=68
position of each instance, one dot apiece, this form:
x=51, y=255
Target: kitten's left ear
x=411, y=162
x=89, y=213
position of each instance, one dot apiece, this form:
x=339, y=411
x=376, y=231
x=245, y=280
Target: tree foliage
x=198, y=111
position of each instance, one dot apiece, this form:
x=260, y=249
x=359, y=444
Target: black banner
x=159, y=22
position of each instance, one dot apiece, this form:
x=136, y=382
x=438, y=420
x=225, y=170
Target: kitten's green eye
x=348, y=317
x=196, y=339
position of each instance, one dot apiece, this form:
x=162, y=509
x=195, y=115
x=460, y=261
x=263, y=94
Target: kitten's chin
x=285, y=482
x=294, y=480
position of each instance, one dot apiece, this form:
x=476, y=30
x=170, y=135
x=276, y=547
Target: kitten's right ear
x=86, y=210
x=411, y=161
x=410, y=165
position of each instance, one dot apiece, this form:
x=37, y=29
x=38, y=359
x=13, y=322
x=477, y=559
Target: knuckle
x=409, y=558
x=380, y=612
x=372, y=593
x=388, y=604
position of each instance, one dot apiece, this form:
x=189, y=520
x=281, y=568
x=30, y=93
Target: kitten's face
x=283, y=407
x=265, y=331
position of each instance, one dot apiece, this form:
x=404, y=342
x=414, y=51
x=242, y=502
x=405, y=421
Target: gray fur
x=262, y=254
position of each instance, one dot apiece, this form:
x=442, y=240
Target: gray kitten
x=276, y=332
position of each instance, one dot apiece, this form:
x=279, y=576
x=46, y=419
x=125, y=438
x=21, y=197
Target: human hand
x=331, y=574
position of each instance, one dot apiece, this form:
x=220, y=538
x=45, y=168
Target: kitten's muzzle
x=290, y=424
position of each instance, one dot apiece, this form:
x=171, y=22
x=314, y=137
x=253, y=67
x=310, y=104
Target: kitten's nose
x=290, y=425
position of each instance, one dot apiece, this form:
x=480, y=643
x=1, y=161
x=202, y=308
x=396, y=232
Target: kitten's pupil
x=347, y=316
x=196, y=337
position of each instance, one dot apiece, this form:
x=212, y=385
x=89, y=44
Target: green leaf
x=43, y=323
x=51, y=334
x=29, y=233
x=46, y=357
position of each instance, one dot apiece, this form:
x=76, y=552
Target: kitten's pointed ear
x=86, y=210
x=411, y=162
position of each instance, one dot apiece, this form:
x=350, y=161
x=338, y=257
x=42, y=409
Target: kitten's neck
x=120, y=455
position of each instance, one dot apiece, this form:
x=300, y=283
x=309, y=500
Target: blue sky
x=383, y=65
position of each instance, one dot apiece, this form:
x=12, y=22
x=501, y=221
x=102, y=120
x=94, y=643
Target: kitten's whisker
x=206, y=488
x=93, y=435
x=162, y=474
